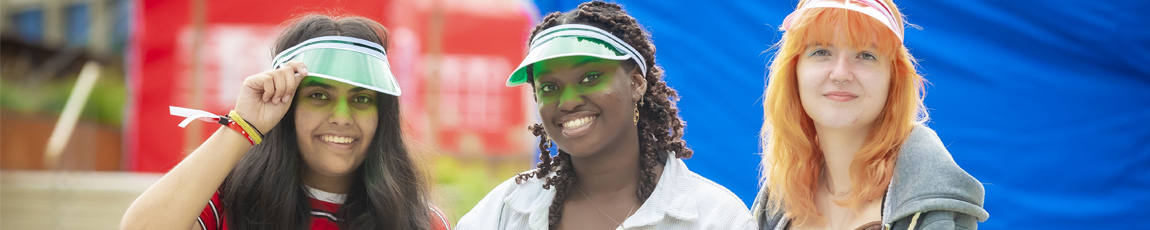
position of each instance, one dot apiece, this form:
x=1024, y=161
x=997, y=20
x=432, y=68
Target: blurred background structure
x=1044, y=102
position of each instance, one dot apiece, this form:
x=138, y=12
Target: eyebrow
x=586, y=61
x=317, y=83
x=872, y=45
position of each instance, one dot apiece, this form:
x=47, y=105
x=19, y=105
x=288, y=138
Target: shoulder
x=927, y=179
x=712, y=195
x=438, y=219
x=924, y=146
x=923, y=157
x=515, y=192
x=717, y=206
x=506, y=187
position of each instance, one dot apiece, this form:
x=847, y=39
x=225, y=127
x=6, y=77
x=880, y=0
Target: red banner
x=450, y=57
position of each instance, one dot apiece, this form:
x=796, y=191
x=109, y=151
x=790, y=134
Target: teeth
x=577, y=122
x=337, y=139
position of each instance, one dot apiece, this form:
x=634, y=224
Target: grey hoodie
x=928, y=190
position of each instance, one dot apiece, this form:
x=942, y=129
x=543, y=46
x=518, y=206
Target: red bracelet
x=237, y=128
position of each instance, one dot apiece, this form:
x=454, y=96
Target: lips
x=337, y=141
x=575, y=125
x=840, y=96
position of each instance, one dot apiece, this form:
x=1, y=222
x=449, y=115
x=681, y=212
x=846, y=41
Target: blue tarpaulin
x=1047, y=103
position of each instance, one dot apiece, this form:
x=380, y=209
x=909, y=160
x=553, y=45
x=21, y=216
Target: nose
x=570, y=99
x=842, y=71
x=340, y=114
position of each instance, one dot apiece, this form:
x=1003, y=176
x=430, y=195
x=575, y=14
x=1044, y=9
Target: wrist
x=233, y=136
x=237, y=123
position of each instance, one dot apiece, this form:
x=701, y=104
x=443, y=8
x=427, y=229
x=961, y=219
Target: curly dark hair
x=660, y=127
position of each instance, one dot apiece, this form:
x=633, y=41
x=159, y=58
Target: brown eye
x=361, y=99
x=589, y=78
x=548, y=87
x=319, y=96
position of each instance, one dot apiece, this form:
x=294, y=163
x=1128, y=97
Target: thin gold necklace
x=617, y=223
x=827, y=184
x=843, y=217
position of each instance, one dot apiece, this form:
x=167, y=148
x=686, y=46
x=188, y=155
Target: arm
x=176, y=199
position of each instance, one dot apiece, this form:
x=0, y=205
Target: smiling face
x=587, y=104
x=841, y=86
x=335, y=122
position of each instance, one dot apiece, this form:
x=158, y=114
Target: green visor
x=349, y=60
x=574, y=40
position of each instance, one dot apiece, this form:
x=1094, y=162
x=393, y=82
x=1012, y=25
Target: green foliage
x=105, y=105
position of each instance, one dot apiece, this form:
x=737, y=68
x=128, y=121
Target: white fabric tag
x=190, y=114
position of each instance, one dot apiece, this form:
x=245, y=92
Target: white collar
x=321, y=195
x=673, y=196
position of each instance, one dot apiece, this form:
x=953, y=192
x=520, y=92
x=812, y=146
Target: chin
x=336, y=169
x=837, y=122
x=578, y=149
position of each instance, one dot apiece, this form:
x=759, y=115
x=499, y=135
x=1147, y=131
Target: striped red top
x=322, y=213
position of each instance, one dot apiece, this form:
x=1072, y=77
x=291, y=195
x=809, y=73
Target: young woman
x=602, y=101
x=844, y=140
x=332, y=157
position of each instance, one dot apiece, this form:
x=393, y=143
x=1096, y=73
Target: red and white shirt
x=324, y=205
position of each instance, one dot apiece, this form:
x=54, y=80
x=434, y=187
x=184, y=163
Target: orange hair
x=792, y=159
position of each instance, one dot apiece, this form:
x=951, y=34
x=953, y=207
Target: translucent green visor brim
x=351, y=67
x=565, y=46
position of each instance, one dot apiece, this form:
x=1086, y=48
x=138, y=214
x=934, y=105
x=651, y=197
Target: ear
x=638, y=84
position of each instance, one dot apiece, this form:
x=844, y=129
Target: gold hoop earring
x=636, y=115
x=637, y=111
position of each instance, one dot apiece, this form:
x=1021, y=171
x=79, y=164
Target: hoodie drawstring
x=914, y=220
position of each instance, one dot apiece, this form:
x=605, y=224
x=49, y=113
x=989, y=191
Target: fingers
x=299, y=68
x=279, y=85
x=265, y=80
x=293, y=72
x=281, y=76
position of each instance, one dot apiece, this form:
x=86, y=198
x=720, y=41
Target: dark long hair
x=265, y=190
x=660, y=127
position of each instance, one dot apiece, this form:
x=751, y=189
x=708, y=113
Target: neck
x=839, y=147
x=614, y=171
x=337, y=185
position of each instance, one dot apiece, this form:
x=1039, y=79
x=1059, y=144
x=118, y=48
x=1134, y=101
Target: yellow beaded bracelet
x=257, y=138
